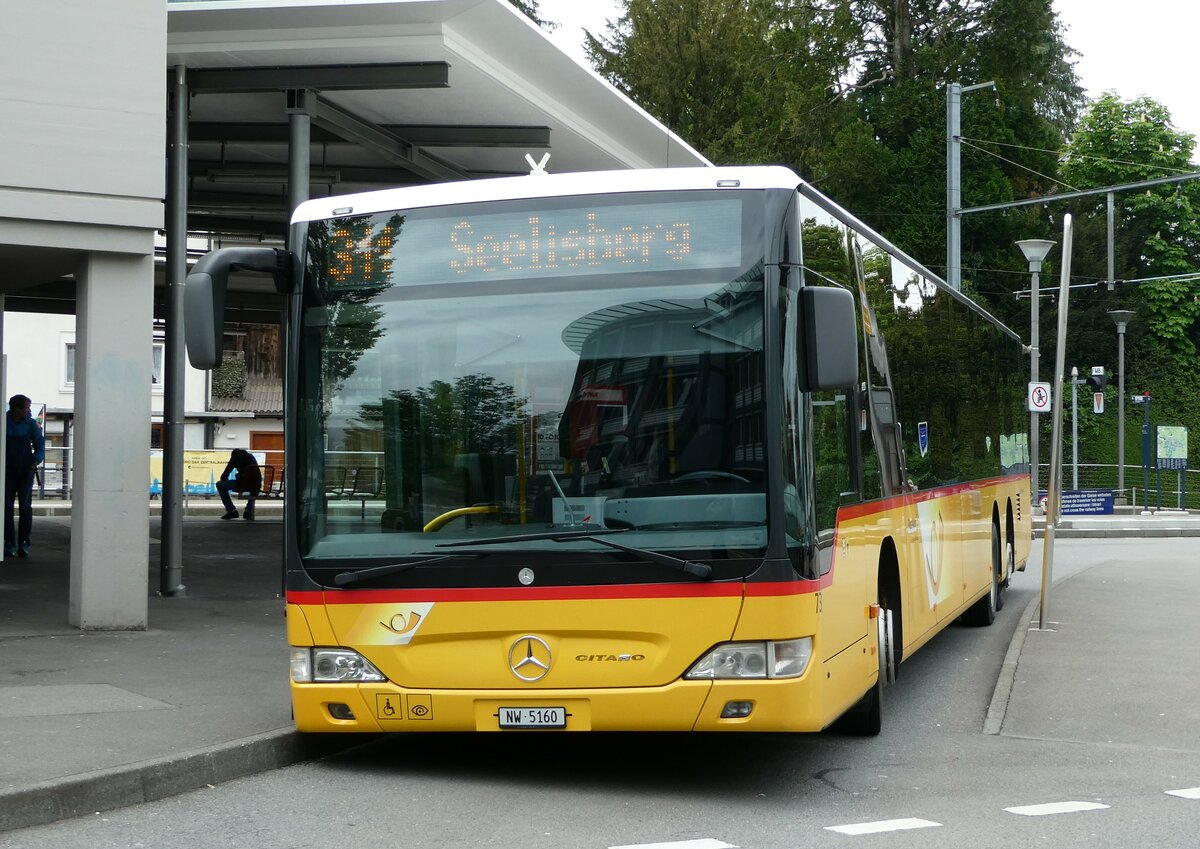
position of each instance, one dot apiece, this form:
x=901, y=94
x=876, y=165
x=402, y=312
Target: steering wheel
x=436, y=522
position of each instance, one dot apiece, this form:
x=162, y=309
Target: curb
x=148, y=781
x=1117, y=533
x=1008, y=671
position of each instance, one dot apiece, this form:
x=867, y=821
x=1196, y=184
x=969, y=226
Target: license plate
x=533, y=717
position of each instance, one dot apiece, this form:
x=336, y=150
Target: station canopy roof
x=400, y=92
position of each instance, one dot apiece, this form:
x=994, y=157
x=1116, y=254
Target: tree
x=890, y=166
x=530, y=9
x=1157, y=235
x=1122, y=142
x=741, y=80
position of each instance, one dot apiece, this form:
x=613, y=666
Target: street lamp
x=1035, y=251
x=1121, y=317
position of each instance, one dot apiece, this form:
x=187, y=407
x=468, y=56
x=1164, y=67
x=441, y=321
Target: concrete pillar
x=110, y=523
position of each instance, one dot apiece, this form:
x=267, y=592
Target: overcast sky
x=1134, y=47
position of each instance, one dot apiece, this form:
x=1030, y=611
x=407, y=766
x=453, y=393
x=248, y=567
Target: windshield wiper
x=691, y=567
x=345, y=578
x=552, y=535
x=700, y=570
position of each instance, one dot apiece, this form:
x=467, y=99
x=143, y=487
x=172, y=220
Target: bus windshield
x=482, y=372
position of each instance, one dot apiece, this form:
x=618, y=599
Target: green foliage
x=1157, y=235
x=229, y=378
x=742, y=80
x=852, y=95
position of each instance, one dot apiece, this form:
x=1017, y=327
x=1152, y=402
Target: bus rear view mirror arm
x=204, y=295
x=830, y=338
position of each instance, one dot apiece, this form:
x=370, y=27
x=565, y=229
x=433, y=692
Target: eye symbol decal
x=400, y=624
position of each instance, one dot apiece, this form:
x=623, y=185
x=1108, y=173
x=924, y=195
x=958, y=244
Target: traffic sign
x=1097, y=402
x=1038, y=399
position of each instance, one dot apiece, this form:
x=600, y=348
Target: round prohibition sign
x=1039, y=397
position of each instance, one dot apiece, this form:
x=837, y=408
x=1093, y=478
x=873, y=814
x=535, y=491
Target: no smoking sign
x=1038, y=400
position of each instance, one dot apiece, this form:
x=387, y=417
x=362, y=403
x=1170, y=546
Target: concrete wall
x=82, y=122
x=235, y=433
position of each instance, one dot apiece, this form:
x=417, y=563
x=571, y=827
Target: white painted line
x=1189, y=793
x=703, y=843
x=882, y=826
x=1055, y=808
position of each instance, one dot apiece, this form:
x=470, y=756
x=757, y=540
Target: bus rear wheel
x=983, y=612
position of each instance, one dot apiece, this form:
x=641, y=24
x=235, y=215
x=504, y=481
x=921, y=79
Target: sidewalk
x=95, y=721
x=1115, y=664
x=1161, y=523
x=98, y=720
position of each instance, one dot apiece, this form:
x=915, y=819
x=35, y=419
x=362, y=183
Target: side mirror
x=830, y=338
x=204, y=295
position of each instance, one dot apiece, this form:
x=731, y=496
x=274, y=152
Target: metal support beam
x=425, y=135
x=397, y=75
x=350, y=126
x=954, y=93
x=299, y=145
x=171, y=551
x=1054, y=198
x=246, y=173
x=1111, y=216
x=953, y=186
x=233, y=224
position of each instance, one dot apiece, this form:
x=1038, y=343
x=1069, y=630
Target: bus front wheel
x=865, y=719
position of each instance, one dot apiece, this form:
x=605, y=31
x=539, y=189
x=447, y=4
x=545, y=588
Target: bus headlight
x=332, y=666
x=770, y=659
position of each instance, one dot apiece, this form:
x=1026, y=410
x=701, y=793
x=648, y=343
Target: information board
x=1083, y=502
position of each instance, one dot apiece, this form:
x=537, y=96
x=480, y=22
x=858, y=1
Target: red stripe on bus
x=627, y=591
x=883, y=505
x=630, y=591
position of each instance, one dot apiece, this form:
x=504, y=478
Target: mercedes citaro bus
x=681, y=449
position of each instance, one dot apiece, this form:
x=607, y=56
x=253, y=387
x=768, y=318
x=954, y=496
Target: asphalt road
x=932, y=777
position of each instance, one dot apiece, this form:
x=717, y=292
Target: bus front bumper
x=774, y=705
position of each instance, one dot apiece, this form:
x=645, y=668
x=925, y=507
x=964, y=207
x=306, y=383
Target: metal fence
x=1166, y=489
x=54, y=475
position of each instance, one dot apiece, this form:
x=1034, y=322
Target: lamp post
x=1035, y=251
x=1121, y=317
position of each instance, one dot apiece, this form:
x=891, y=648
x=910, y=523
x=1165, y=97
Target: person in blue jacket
x=24, y=452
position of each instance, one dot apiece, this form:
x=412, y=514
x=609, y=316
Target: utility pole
x=954, y=93
x=1075, y=381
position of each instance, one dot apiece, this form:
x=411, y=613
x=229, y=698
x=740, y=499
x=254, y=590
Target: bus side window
x=833, y=482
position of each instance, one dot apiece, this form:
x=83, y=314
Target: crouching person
x=246, y=480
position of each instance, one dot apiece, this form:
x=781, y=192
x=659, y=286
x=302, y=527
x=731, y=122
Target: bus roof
x=548, y=185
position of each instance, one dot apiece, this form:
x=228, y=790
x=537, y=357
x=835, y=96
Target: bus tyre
x=983, y=612
x=1002, y=557
x=865, y=719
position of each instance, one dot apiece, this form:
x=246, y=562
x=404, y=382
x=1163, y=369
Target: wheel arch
x=890, y=592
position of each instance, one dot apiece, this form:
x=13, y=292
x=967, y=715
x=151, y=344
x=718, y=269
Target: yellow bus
x=678, y=450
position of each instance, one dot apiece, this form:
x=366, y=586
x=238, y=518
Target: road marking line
x=882, y=826
x=1189, y=793
x=703, y=843
x=1055, y=808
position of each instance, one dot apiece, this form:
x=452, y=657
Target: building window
x=156, y=372
x=69, y=371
